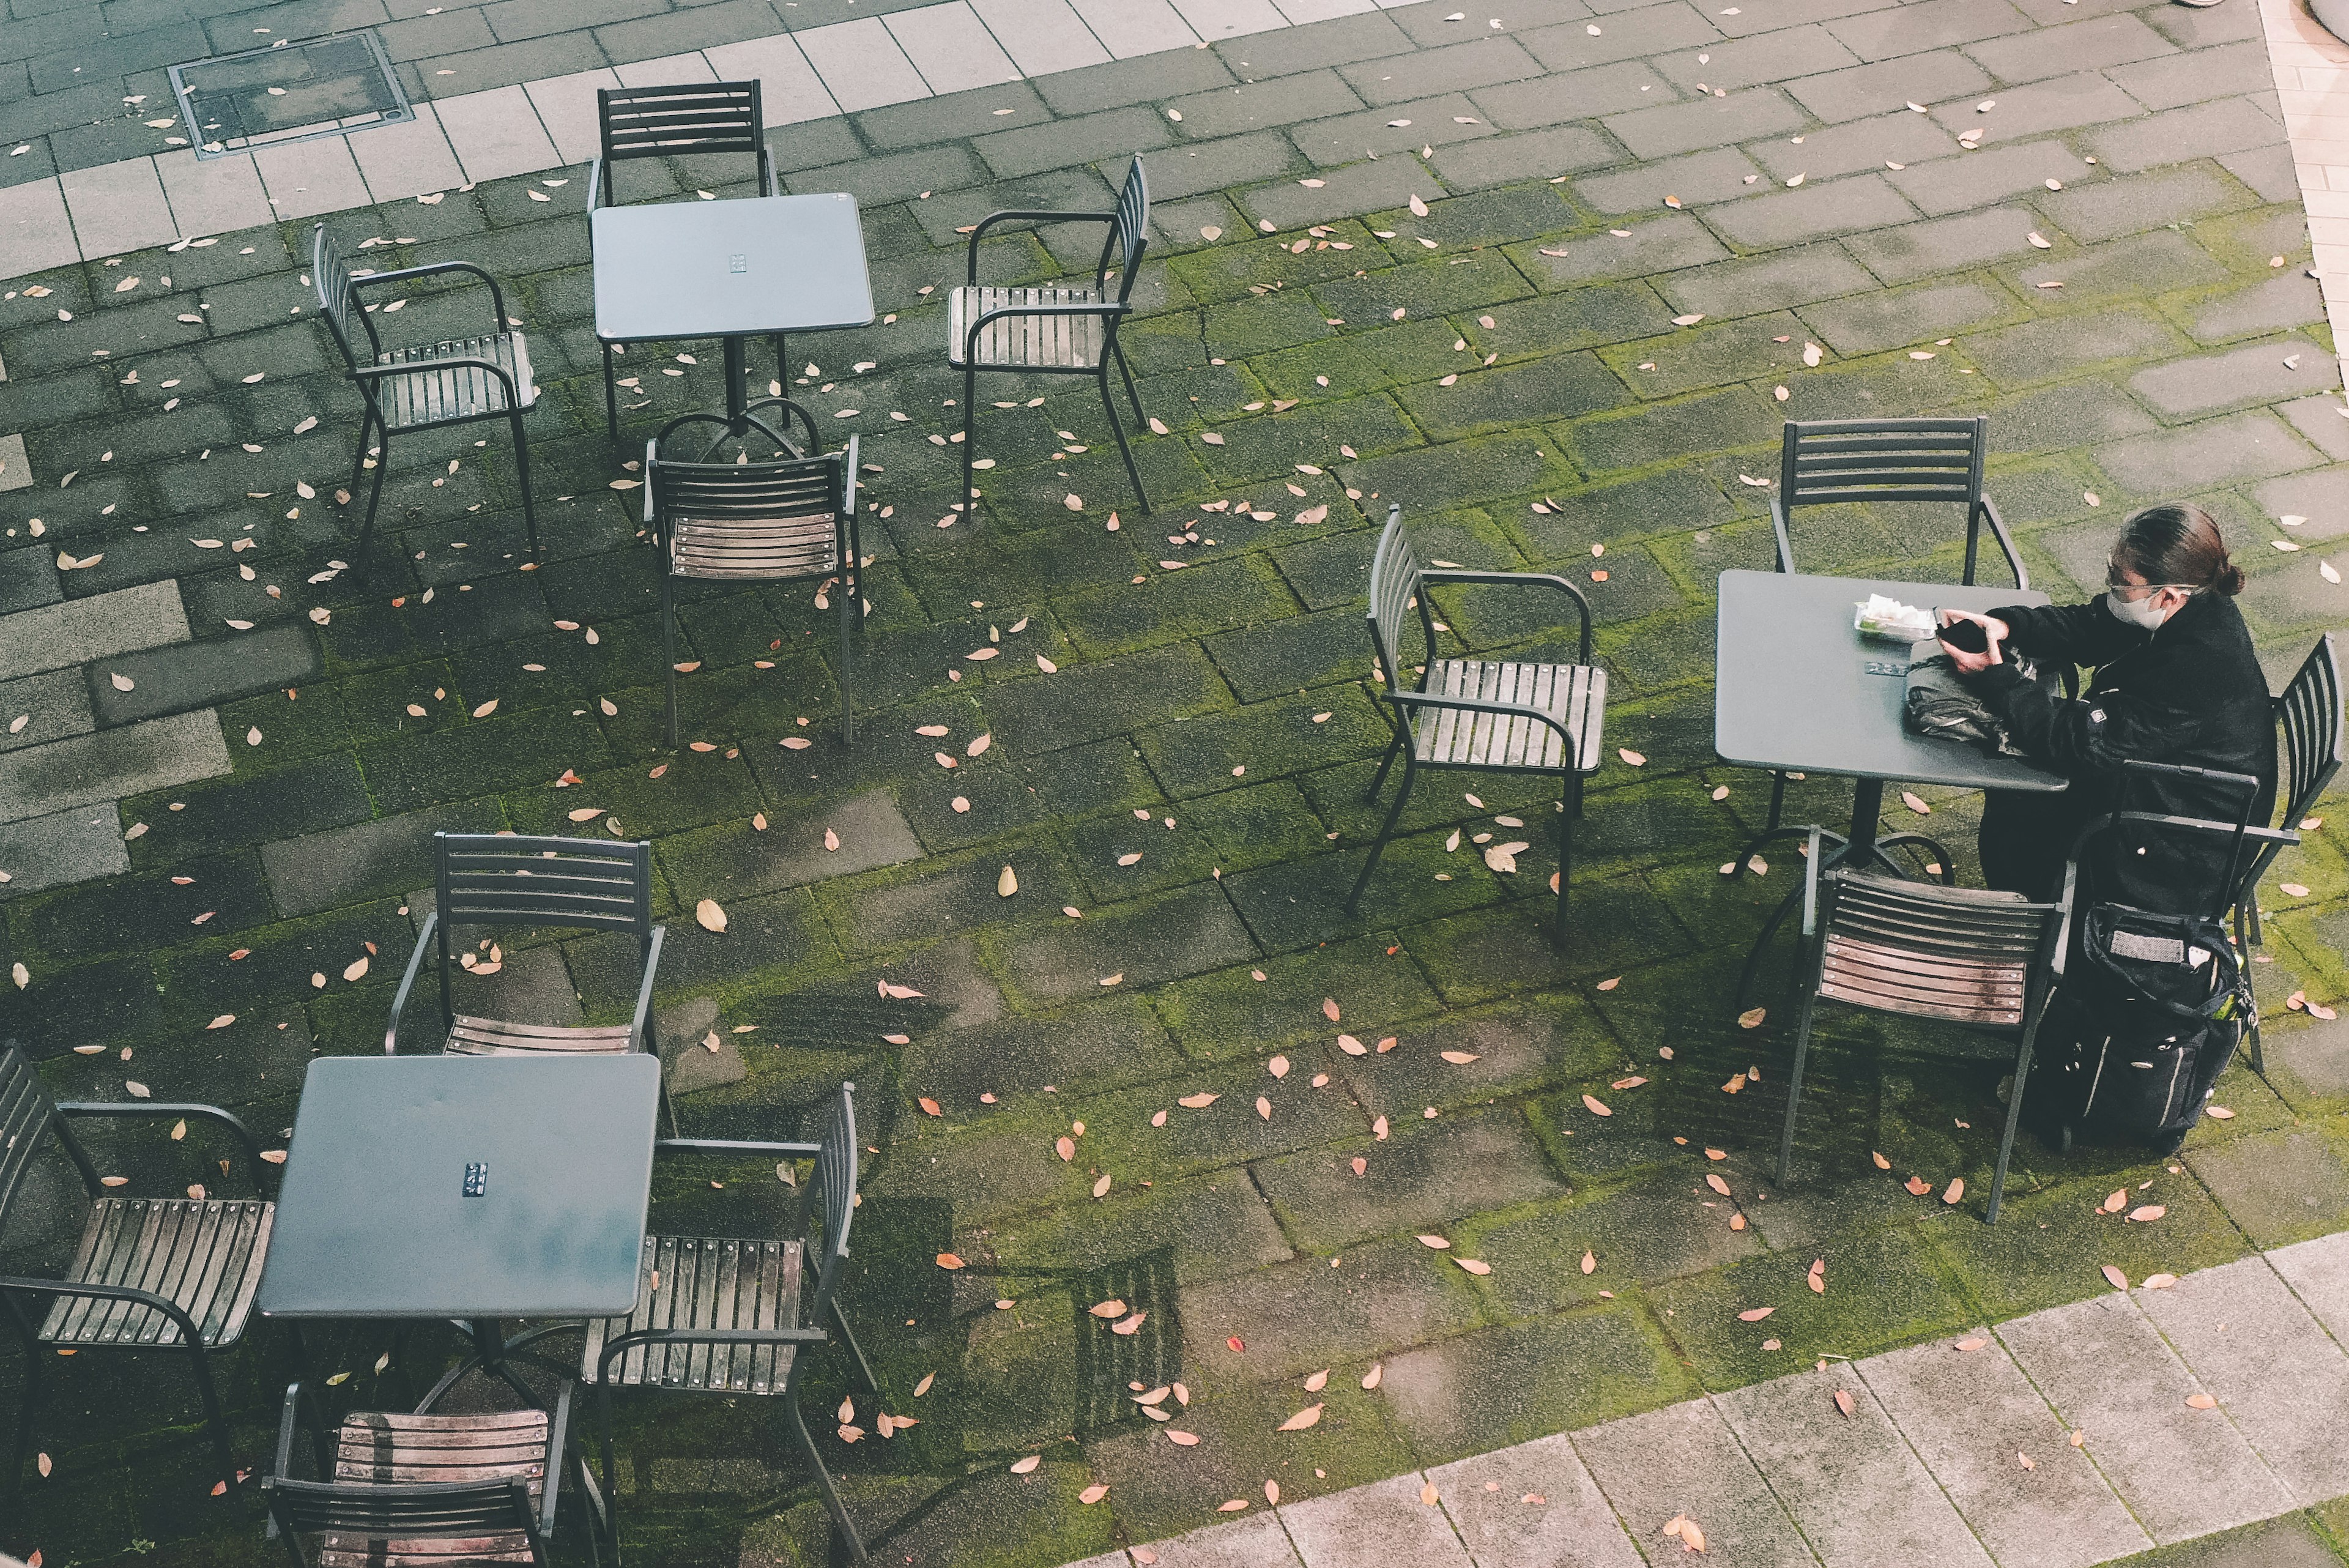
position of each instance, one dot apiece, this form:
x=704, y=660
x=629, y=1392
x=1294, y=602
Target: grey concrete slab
x=1384, y=1521
x=37, y=708
x=1972, y=1416
x=871, y=832
x=75, y=631
x=118, y=207
x=2278, y=1376
x=110, y=764
x=1257, y=1542
x=2318, y=1273
x=180, y=676
x=368, y=859
x=15, y=467
x=1533, y=1506
x=63, y=848
x=33, y=222
x=862, y=66
x=1851, y=1484
x=2252, y=445
x=2182, y=1471
x=1683, y=1460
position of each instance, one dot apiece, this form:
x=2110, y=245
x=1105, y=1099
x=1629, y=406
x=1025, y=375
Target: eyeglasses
x=2134, y=591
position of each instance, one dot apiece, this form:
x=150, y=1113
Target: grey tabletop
x=729, y=269
x=375, y=1219
x=1798, y=689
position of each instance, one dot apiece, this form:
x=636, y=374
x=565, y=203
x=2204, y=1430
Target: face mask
x=2142, y=613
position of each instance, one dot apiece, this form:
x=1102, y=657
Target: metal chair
x=1483, y=715
x=148, y=1273
x=668, y=122
x=510, y=879
x=1984, y=958
x=425, y=1490
x=1824, y=461
x=1053, y=331
x=783, y=521
x=730, y=1317
x=424, y=386
x=2309, y=715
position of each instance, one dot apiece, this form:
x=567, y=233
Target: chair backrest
x=2310, y=714
x=512, y=879
x=692, y=117
x=26, y=1114
x=1394, y=586
x=1129, y=237
x=330, y=274
x=1825, y=461
x=1937, y=939
x=831, y=1199
x=425, y=1510
x=789, y=494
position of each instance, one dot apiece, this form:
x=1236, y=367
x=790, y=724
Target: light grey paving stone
x=566, y=106
x=694, y=1054
x=15, y=467
x=1040, y=36
x=1852, y=1484
x=669, y=70
x=872, y=833
x=2318, y=1273
x=2251, y=445
x=118, y=207
x=2278, y=1376
x=307, y=179
x=399, y=161
x=204, y=674
x=1969, y=1414
x=1106, y=1560
x=52, y=705
x=2259, y=372
x=861, y=64
x=213, y=195
x=110, y=764
x=789, y=89
x=76, y=631
x=1130, y=27
x=1213, y=19
x=35, y=232
x=2183, y=1472
x=951, y=47
x=366, y=859
x=494, y=134
x=63, y=848
x=1257, y=1542
x=1683, y=1460
x=1384, y=1521
x=1570, y=1526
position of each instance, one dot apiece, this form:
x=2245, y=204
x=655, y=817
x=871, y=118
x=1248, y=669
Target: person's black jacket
x=2190, y=691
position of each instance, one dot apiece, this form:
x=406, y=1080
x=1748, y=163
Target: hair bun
x=2227, y=579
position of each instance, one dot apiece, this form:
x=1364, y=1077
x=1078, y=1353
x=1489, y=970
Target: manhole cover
x=288, y=92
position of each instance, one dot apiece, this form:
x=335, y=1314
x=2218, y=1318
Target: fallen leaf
x=1437, y=1242
x=356, y=970
x=2115, y=1278
x=1198, y=1102
x=1751, y=1017
x=1918, y=1185
x=1843, y=1400
x=1955, y=1190
x=1021, y=1467
x=2160, y=1282
x=1182, y=1439
x=2200, y=1402
x=949, y=1261
x=1632, y=757
x=1474, y=1265
x=2147, y=1214
x=709, y=916
x=1302, y=1420
x=1755, y=1314
x=1459, y=1058
x=1371, y=1378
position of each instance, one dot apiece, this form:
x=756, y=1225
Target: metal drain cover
x=288, y=92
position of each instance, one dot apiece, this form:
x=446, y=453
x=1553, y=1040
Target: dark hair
x=2176, y=542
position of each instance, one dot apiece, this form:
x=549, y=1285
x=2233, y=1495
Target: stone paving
x=234, y=749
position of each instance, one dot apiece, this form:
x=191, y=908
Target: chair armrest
x=767, y=167
x=188, y=1334
x=558, y=1432
x=644, y=991
x=285, y=1425
x=992, y=218
x=652, y=453
x=171, y=1108
x=1811, y=884
x=627, y=1341
x=731, y=1146
x=1785, y=541
x=407, y=982
x=2006, y=543
x=594, y=182
x=377, y=372
x=429, y=269
x=1518, y=579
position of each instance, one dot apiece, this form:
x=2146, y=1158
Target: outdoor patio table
x=1797, y=689
x=753, y=267
x=472, y=1188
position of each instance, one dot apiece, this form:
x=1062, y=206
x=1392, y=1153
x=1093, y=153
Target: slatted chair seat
x=469, y=1036
x=1024, y=342
x=1575, y=694
x=432, y=393
x=395, y=1448
x=702, y=1281
x=1903, y=980
x=203, y=1255
x=761, y=549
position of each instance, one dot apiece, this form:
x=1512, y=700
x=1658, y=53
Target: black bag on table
x=2148, y=1013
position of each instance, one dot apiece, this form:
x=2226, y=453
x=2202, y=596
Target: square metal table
x=1796, y=689
x=472, y=1188
x=753, y=267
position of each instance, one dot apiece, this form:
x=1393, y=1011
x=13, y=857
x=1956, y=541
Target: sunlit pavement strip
x=2312, y=75
x=843, y=69
x=2071, y=1436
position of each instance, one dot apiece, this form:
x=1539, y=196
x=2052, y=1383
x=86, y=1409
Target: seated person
x=2176, y=681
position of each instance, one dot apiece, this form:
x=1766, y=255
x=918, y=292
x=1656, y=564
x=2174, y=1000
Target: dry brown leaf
x=1093, y=1493
x=1182, y=1439
x=949, y=1261
x=709, y=916
x=1474, y=1266
x=1955, y=1190
x=1263, y=1109
x=1330, y=1009
x=1918, y=1185
x=1751, y=1017
x=1302, y=1420
x=1065, y=1147
x=1021, y=1467
x=356, y=969
x=2200, y=1402
x=1596, y=1108
x=2115, y=1278
x=1755, y=1314
x=2147, y=1214
x=1881, y=1163
x=929, y=1106
x=1843, y=1400
x=1199, y=1102
x=1459, y=1058
x=2160, y=1282
x=1437, y=1242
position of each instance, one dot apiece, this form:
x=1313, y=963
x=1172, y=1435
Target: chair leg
x=358, y=458
x=1109, y=407
x=522, y=470
x=30, y=1397
x=668, y=646
x=2015, y=1107
x=1141, y=419
x=833, y=1505
x=611, y=1469
x=375, y=490
x=1378, y=779
x=611, y=398
x=1378, y=846
x=214, y=1420
x=969, y=392
x=863, y=1367
x=782, y=365
x=1795, y=1073
x=1773, y=827
x=850, y=613
x=1571, y=809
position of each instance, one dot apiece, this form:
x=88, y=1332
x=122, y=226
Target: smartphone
x=1968, y=635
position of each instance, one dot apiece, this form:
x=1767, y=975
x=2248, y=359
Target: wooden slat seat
x=1575, y=694
x=701, y=1283
x=1024, y=342
x=1908, y=980
x=432, y=393
x=470, y=1036
x=754, y=548
x=372, y=1447
x=203, y=1255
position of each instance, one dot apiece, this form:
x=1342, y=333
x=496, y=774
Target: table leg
x=736, y=400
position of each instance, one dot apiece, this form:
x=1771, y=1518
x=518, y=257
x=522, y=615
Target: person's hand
x=1995, y=630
